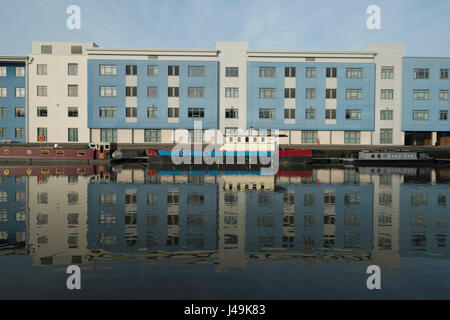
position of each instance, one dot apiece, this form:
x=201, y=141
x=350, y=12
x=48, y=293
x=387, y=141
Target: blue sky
x=422, y=25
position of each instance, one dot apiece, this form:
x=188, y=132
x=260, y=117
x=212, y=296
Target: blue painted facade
x=209, y=102
x=10, y=102
x=434, y=84
x=366, y=104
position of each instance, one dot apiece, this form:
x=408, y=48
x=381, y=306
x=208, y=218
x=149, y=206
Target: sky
x=423, y=26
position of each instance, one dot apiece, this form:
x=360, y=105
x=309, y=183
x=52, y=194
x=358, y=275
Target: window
x=267, y=72
x=3, y=71
x=353, y=114
x=311, y=72
x=173, y=112
x=152, y=112
x=152, y=92
x=42, y=69
x=72, y=135
x=352, y=137
x=107, y=112
x=72, y=69
x=3, y=112
x=386, y=115
x=331, y=72
x=421, y=73
x=289, y=113
x=108, y=69
x=152, y=71
x=131, y=91
x=231, y=72
x=310, y=93
x=289, y=72
x=20, y=71
x=444, y=74
x=152, y=135
x=354, y=94
x=443, y=95
x=195, y=135
x=131, y=70
x=19, y=112
x=46, y=49
x=331, y=93
x=131, y=112
x=196, y=92
x=72, y=112
x=310, y=114
x=41, y=111
x=108, y=135
x=309, y=137
x=387, y=94
x=421, y=94
x=387, y=72
x=76, y=49
x=420, y=115
x=231, y=113
x=20, y=92
x=231, y=92
x=354, y=73
x=330, y=114
x=2, y=133
x=174, y=91
x=443, y=115
x=42, y=132
x=196, y=112
x=289, y=93
x=386, y=136
x=72, y=90
x=108, y=91
x=196, y=71
x=267, y=113
x=267, y=93
x=173, y=70
x=20, y=133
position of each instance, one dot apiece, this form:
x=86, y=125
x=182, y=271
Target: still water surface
x=140, y=233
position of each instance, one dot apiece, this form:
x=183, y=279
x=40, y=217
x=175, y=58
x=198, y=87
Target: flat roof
x=13, y=58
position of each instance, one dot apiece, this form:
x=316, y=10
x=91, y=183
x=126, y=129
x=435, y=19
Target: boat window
x=81, y=171
x=379, y=156
x=81, y=153
x=45, y=153
x=45, y=171
x=60, y=153
x=239, y=139
x=263, y=139
x=255, y=139
x=373, y=156
x=60, y=171
x=247, y=139
x=230, y=139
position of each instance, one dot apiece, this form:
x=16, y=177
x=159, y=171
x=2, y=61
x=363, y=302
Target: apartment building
x=13, y=98
x=58, y=92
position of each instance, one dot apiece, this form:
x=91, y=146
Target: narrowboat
x=391, y=158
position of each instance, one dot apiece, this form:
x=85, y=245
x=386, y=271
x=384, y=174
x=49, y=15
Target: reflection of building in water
x=12, y=212
x=57, y=224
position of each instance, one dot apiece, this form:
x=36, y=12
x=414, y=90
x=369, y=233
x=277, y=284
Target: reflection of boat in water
x=391, y=158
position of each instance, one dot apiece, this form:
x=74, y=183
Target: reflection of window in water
x=352, y=240
x=266, y=221
x=329, y=199
x=42, y=240
x=310, y=180
x=196, y=241
x=288, y=220
x=231, y=199
x=152, y=220
x=384, y=221
x=20, y=196
x=42, y=198
x=106, y=240
x=230, y=220
x=328, y=240
x=172, y=198
x=42, y=219
x=108, y=198
x=418, y=199
x=47, y=261
x=20, y=236
x=196, y=179
x=329, y=219
x=288, y=241
x=131, y=238
x=267, y=241
x=173, y=241
x=152, y=200
x=441, y=221
x=20, y=179
x=42, y=179
x=309, y=241
x=419, y=221
x=72, y=179
x=72, y=241
x=130, y=218
x=441, y=240
x=3, y=216
x=442, y=200
x=309, y=200
x=352, y=220
x=3, y=235
x=230, y=239
x=3, y=196
x=107, y=219
x=195, y=220
x=265, y=198
x=156, y=179
x=72, y=198
x=289, y=198
x=386, y=179
x=352, y=199
x=172, y=220
x=77, y=260
x=385, y=199
x=309, y=221
x=384, y=241
x=351, y=176
x=195, y=199
x=72, y=218
x=418, y=242
x=131, y=198
x=152, y=240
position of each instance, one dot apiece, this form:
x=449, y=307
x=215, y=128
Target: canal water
x=305, y=234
